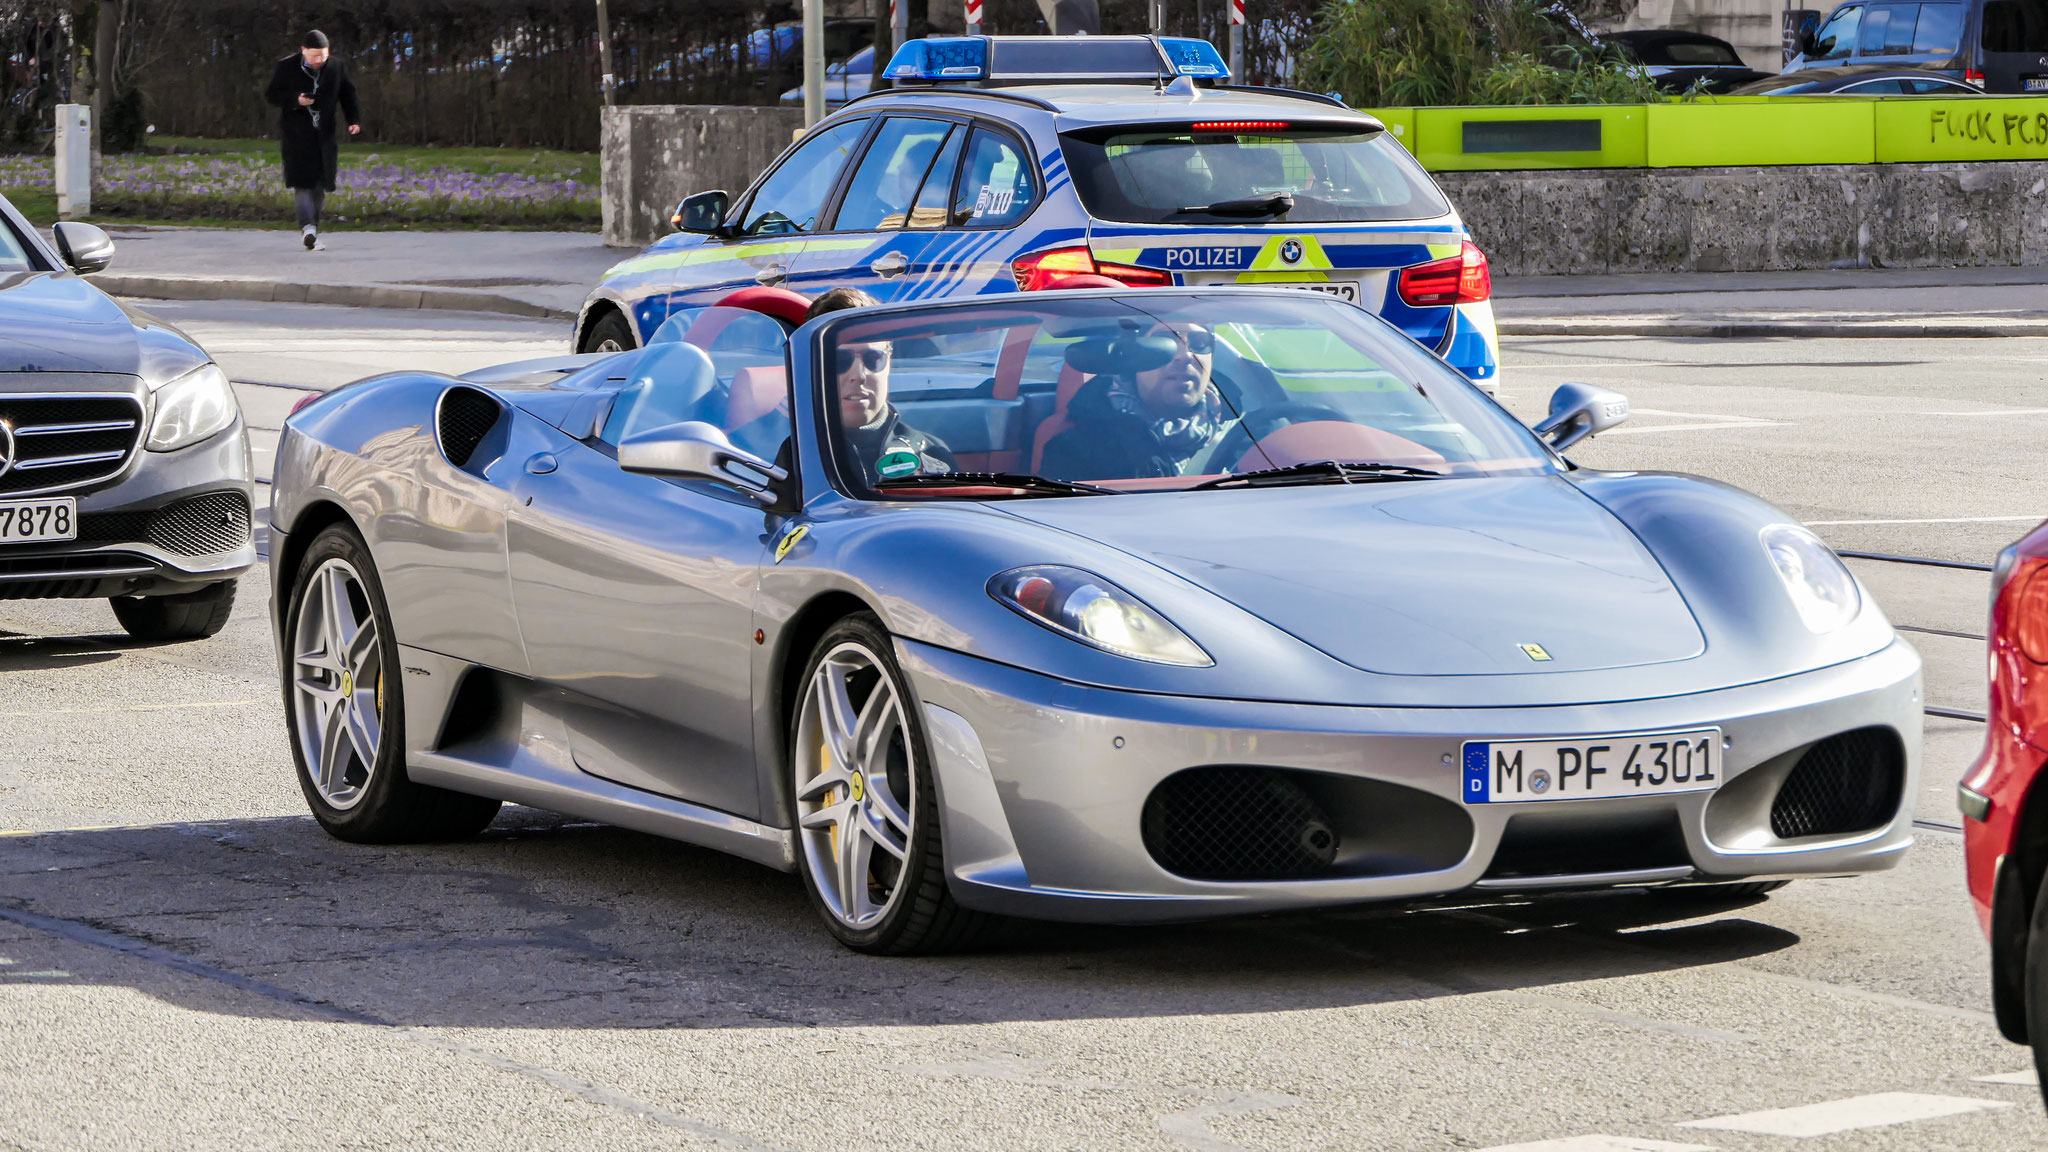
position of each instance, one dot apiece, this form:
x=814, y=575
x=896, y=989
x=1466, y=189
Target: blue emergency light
x=1070, y=59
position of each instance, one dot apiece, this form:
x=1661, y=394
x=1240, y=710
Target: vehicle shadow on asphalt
x=547, y=922
x=20, y=653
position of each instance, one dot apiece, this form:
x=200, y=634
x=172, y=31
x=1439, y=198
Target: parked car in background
x=772, y=57
x=1677, y=60
x=2005, y=826
x=124, y=465
x=1858, y=82
x=848, y=79
x=1992, y=45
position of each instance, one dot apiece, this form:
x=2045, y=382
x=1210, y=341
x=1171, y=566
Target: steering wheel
x=1258, y=424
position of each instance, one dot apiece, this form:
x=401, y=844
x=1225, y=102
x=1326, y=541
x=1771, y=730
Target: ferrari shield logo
x=789, y=540
x=1533, y=651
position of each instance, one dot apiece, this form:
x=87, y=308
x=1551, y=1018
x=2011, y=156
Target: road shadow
x=20, y=653
x=545, y=922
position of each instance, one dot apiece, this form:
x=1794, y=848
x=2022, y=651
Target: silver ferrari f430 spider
x=1079, y=605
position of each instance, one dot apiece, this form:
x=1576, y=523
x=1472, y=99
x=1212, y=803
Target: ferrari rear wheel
x=345, y=710
x=863, y=805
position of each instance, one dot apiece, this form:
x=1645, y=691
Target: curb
x=347, y=295
x=1760, y=329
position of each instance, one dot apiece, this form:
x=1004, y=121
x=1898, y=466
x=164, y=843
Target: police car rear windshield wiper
x=1040, y=485
x=1270, y=204
x=1319, y=471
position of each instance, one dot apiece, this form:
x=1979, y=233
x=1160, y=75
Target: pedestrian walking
x=308, y=88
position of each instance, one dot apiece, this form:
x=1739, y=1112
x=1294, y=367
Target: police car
x=1004, y=164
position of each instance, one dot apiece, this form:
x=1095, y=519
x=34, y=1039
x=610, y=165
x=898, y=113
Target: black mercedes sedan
x=1678, y=60
x=124, y=463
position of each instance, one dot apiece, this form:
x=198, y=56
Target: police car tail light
x=1974, y=76
x=1460, y=279
x=1042, y=270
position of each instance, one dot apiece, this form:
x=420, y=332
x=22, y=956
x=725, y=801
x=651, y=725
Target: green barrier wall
x=1727, y=132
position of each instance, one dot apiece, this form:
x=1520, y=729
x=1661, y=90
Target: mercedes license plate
x=1592, y=767
x=1345, y=290
x=34, y=521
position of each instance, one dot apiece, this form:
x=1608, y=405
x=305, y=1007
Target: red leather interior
x=1313, y=440
x=755, y=393
x=781, y=303
x=1070, y=383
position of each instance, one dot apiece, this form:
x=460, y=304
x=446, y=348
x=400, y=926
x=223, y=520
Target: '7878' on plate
x=1592, y=767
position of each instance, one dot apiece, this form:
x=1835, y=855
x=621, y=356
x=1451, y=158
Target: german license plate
x=2037, y=83
x=35, y=521
x=1345, y=290
x=1592, y=767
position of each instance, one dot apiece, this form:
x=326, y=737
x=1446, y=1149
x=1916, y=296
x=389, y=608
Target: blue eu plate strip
x=1476, y=758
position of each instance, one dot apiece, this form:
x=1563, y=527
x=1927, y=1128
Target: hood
x=56, y=322
x=1423, y=578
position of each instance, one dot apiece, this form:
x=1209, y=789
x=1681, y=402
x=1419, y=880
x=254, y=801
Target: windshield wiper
x=1319, y=471
x=1270, y=204
x=1043, y=485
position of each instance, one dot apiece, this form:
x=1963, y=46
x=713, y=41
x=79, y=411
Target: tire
x=351, y=762
x=1711, y=893
x=2036, y=978
x=185, y=616
x=609, y=334
x=887, y=793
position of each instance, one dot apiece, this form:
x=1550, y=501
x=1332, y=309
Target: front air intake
x=1849, y=782
x=1237, y=823
x=465, y=418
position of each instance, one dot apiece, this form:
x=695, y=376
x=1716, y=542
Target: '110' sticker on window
x=994, y=201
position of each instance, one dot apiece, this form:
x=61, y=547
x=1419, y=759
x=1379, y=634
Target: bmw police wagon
x=1000, y=164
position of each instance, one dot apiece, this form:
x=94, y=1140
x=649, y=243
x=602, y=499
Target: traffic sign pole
x=1237, y=40
x=974, y=17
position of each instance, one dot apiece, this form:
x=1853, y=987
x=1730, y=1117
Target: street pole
x=1236, y=40
x=604, y=52
x=814, y=61
x=1156, y=15
x=974, y=17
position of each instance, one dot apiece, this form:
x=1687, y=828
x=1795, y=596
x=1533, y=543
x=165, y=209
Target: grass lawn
x=237, y=183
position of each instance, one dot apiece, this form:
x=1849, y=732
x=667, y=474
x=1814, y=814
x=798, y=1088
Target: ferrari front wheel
x=862, y=804
x=345, y=709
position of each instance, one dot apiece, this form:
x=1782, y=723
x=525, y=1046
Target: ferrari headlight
x=189, y=409
x=1092, y=610
x=1818, y=582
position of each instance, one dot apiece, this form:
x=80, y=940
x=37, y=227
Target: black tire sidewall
x=387, y=776
x=925, y=844
x=610, y=324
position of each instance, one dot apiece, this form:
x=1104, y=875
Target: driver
x=1144, y=424
x=886, y=447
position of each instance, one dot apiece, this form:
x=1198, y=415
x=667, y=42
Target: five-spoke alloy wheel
x=861, y=801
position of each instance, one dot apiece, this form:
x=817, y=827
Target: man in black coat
x=307, y=87
x=1145, y=424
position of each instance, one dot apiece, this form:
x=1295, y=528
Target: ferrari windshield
x=1152, y=391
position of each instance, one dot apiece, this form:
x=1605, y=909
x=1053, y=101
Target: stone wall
x=1756, y=219
x=653, y=155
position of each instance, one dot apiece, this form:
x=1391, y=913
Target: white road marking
x=1600, y=1144
x=1190, y=1126
x=1694, y=427
x=1942, y=520
x=2027, y=1078
x=1992, y=412
x=1701, y=416
x=1878, y=1110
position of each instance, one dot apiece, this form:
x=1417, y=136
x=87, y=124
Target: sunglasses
x=1200, y=342
x=873, y=359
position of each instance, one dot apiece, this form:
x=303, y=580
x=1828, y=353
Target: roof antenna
x=1181, y=86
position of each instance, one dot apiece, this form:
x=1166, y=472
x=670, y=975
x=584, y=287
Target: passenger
x=1145, y=424
x=886, y=447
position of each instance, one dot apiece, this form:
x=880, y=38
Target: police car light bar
x=958, y=59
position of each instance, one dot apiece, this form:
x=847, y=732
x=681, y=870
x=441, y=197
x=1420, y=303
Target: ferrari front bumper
x=1043, y=787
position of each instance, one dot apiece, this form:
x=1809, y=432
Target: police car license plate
x=34, y=521
x=1592, y=767
x=1345, y=290
x=2037, y=83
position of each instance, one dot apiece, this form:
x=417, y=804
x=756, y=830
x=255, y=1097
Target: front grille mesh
x=100, y=430
x=200, y=526
x=467, y=416
x=1849, y=782
x=1232, y=823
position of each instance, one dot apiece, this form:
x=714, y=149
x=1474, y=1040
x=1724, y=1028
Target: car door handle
x=773, y=274
x=541, y=464
x=894, y=264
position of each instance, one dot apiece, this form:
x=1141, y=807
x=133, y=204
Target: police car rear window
x=1247, y=172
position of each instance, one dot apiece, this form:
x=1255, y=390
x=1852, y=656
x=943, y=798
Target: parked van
x=1994, y=45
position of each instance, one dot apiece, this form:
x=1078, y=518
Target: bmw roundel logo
x=1539, y=781
x=1291, y=251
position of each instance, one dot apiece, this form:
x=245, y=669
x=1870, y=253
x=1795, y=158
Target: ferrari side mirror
x=700, y=451
x=1578, y=411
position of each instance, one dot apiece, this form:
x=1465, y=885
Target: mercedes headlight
x=1092, y=610
x=1818, y=582
x=189, y=409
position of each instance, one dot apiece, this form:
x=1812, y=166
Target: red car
x=2005, y=829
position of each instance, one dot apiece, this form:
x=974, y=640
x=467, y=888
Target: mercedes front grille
x=59, y=441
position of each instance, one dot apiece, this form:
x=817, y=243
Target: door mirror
x=83, y=247
x=700, y=451
x=704, y=212
x=1581, y=410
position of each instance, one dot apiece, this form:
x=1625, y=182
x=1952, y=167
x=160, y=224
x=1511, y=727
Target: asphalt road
x=186, y=962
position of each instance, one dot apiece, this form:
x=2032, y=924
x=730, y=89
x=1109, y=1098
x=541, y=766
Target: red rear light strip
x=1238, y=126
x=1461, y=279
x=1042, y=270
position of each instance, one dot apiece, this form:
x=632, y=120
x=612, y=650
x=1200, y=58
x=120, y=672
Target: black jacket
x=1106, y=444
x=308, y=133
x=900, y=450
